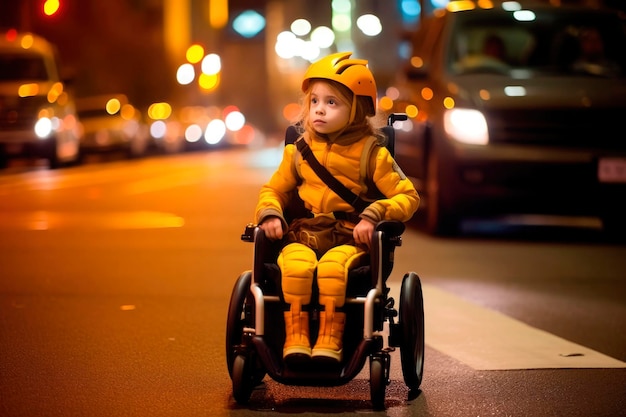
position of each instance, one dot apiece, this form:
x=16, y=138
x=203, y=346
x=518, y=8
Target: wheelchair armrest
x=265, y=252
x=382, y=252
x=392, y=230
x=264, y=248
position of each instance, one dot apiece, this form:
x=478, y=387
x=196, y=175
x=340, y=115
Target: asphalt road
x=115, y=280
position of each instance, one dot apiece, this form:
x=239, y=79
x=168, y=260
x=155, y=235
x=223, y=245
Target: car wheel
x=54, y=162
x=614, y=226
x=441, y=220
x=4, y=161
x=137, y=148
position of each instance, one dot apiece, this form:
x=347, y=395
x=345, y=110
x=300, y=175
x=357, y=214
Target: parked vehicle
x=37, y=112
x=112, y=124
x=535, y=131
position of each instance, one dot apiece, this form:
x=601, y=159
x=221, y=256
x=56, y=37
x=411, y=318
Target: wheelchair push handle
x=248, y=233
x=396, y=116
x=392, y=231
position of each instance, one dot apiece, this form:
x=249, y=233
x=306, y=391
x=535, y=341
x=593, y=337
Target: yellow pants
x=298, y=262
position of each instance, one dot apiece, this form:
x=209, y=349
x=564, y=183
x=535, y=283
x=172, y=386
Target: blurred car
x=200, y=128
x=208, y=127
x=112, y=124
x=531, y=132
x=37, y=112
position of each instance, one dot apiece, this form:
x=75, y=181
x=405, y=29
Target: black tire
x=235, y=319
x=614, y=226
x=378, y=382
x=54, y=162
x=4, y=161
x=441, y=219
x=411, y=320
x=137, y=148
x=243, y=380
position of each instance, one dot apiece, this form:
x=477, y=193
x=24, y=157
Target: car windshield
x=556, y=40
x=19, y=67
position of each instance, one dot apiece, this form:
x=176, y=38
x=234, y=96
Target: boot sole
x=326, y=357
x=297, y=360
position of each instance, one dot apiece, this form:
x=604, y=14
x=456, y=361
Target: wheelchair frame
x=254, y=349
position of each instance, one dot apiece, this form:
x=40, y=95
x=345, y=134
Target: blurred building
x=137, y=46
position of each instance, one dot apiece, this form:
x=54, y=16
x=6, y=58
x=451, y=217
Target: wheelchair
x=255, y=330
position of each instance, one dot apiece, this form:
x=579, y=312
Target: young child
x=339, y=98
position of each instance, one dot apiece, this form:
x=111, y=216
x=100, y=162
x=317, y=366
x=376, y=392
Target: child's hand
x=363, y=233
x=272, y=227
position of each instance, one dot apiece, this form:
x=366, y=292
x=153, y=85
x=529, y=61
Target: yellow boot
x=297, y=348
x=332, y=278
x=329, y=345
x=297, y=264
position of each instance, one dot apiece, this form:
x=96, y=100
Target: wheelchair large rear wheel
x=236, y=321
x=411, y=318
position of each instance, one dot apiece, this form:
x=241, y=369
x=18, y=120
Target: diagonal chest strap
x=342, y=191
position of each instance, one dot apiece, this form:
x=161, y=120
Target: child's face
x=328, y=112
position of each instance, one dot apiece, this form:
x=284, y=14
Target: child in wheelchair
x=333, y=235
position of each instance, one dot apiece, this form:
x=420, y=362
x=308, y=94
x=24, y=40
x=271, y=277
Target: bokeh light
x=208, y=82
x=234, y=120
x=185, y=74
x=249, y=23
x=369, y=24
x=323, y=36
x=215, y=131
x=301, y=27
x=211, y=64
x=195, y=53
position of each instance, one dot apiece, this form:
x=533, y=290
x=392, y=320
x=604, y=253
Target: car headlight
x=44, y=127
x=466, y=126
x=215, y=131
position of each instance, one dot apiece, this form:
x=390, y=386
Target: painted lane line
x=488, y=340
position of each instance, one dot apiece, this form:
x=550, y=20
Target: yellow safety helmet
x=353, y=73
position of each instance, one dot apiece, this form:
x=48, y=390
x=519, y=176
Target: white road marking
x=488, y=340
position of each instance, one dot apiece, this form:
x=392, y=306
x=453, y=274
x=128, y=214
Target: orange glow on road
x=60, y=220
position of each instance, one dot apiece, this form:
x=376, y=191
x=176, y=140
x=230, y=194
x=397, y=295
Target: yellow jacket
x=342, y=158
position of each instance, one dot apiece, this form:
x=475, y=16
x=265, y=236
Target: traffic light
x=51, y=7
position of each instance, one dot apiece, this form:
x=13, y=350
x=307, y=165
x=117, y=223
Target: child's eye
x=331, y=101
x=314, y=100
